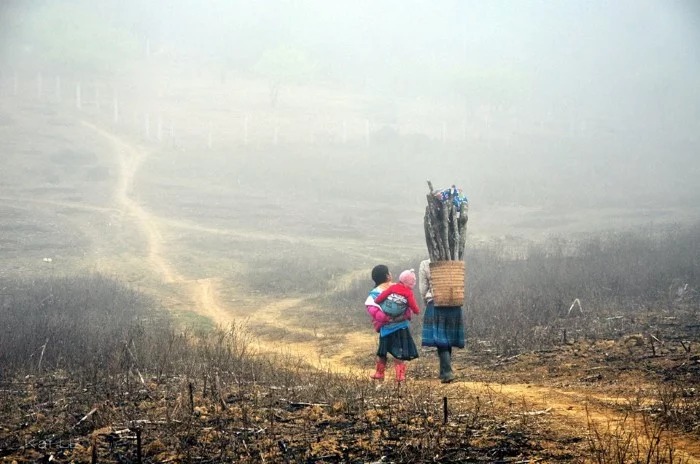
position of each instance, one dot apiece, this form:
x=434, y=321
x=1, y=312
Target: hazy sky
x=642, y=53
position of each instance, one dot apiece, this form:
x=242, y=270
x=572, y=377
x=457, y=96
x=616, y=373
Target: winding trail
x=570, y=408
x=130, y=159
x=204, y=293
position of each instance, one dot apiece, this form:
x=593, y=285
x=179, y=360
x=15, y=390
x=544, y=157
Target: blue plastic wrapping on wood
x=458, y=196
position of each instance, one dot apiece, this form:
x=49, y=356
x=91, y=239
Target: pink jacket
x=379, y=318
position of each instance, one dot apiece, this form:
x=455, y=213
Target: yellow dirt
x=569, y=407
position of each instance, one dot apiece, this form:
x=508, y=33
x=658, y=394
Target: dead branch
x=86, y=416
x=463, y=218
x=41, y=357
x=218, y=393
x=301, y=404
x=576, y=302
x=686, y=348
x=135, y=360
x=535, y=413
x=445, y=224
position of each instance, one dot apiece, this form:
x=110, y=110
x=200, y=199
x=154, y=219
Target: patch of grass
x=195, y=322
x=298, y=269
x=520, y=298
x=635, y=438
x=91, y=357
x=524, y=302
x=69, y=322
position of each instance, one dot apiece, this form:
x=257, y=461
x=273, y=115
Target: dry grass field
x=175, y=303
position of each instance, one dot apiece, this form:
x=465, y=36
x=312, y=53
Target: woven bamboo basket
x=447, y=278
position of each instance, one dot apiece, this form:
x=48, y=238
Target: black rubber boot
x=446, y=374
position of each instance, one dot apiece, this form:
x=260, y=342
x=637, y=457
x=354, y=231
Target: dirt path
x=203, y=293
x=129, y=159
x=570, y=408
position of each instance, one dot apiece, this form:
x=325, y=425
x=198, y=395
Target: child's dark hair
x=380, y=273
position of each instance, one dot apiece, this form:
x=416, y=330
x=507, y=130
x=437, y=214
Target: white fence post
x=58, y=88
x=147, y=123
x=209, y=136
x=345, y=131
x=367, y=131
x=78, y=98
x=159, y=133
x=245, y=130
x=39, y=86
x=116, y=110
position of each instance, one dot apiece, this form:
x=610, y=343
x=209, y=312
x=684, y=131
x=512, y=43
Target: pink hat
x=408, y=278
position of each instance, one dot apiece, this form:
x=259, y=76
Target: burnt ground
x=564, y=404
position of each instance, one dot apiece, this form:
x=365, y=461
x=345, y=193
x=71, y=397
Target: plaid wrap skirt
x=443, y=327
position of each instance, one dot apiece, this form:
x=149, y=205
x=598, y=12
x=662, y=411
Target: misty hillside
x=564, y=107
x=199, y=199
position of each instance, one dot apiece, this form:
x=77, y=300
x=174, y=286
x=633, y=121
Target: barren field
x=231, y=236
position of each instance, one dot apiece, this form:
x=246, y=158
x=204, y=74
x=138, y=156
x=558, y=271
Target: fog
x=189, y=186
x=559, y=105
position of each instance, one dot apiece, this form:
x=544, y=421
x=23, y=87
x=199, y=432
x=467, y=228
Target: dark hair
x=380, y=274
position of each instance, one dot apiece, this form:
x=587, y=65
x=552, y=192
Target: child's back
x=398, y=298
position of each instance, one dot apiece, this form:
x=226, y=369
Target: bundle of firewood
x=446, y=224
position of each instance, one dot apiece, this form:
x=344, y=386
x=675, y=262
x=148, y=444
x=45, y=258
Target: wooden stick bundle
x=445, y=226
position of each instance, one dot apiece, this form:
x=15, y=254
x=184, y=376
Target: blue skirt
x=443, y=327
x=399, y=344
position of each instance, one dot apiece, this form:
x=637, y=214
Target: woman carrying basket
x=443, y=326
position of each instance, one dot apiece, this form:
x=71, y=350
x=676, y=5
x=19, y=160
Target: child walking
x=394, y=334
